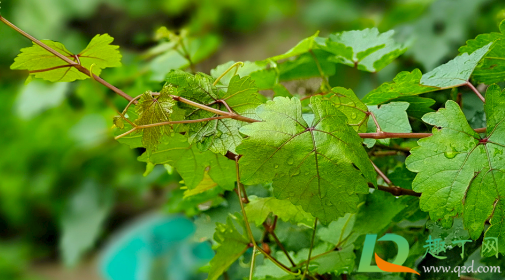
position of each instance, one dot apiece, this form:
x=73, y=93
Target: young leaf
x=459, y=172
x=321, y=167
x=349, y=104
x=152, y=110
x=456, y=72
x=367, y=49
x=232, y=245
x=492, y=68
x=259, y=208
x=220, y=135
x=404, y=84
x=44, y=65
x=191, y=163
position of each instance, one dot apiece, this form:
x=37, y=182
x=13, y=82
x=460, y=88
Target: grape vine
x=316, y=156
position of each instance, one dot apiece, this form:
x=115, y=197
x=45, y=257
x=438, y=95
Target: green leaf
x=206, y=184
x=281, y=90
x=392, y=117
x=404, y=84
x=492, y=68
x=133, y=140
x=418, y=106
x=269, y=270
x=44, y=65
x=349, y=104
x=337, y=262
x=152, y=110
x=259, y=208
x=376, y=214
x=367, y=49
x=190, y=205
x=459, y=172
x=337, y=231
x=305, y=66
x=322, y=166
x=82, y=221
x=302, y=47
x=263, y=77
x=220, y=135
x=232, y=245
x=191, y=163
x=456, y=72
x=171, y=55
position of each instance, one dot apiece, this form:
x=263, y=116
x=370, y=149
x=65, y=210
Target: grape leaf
x=456, y=72
x=220, y=135
x=367, y=49
x=171, y=55
x=44, y=65
x=337, y=231
x=418, y=106
x=302, y=47
x=152, y=110
x=264, y=78
x=178, y=202
x=349, y=104
x=376, y=214
x=492, y=69
x=321, y=166
x=337, y=262
x=392, y=117
x=269, y=270
x=134, y=140
x=459, y=172
x=404, y=84
x=232, y=245
x=259, y=208
x=191, y=163
x=306, y=66
x=206, y=184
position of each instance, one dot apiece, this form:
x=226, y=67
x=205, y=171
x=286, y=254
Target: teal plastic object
x=157, y=247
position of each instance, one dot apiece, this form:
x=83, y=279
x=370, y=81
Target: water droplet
x=292, y=194
x=296, y=172
x=353, y=115
x=276, y=166
x=450, y=154
x=290, y=161
x=329, y=203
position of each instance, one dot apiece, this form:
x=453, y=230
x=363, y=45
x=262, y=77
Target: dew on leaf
x=290, y=161
x=451, y=154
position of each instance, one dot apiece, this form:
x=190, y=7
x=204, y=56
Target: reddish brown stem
x=384, y=135
x=396, y=191
x=381, y=174
x=470, y=85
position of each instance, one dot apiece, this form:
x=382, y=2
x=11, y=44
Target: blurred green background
x=66, y=185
